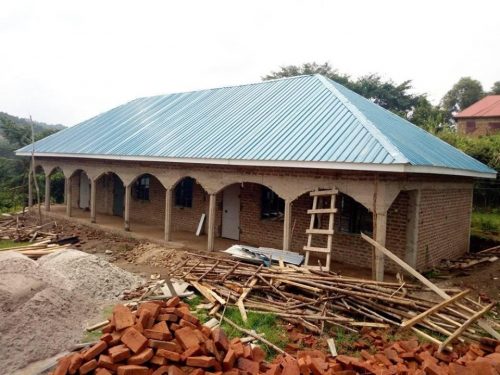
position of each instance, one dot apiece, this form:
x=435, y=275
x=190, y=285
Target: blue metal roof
x=299, y=119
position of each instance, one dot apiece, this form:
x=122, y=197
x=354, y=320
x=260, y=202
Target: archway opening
x=110, y=195
x=147, y=201
x=56, y=186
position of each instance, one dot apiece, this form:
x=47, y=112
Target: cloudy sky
x=65, y=61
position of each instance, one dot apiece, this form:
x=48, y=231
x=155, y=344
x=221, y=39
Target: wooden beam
x=433, y=309
x=464, y=326
x=405, y=266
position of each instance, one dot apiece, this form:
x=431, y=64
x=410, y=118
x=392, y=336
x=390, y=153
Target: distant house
x=481, y=118
x=256, y=159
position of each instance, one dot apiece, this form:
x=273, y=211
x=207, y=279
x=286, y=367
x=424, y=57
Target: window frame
x=142, y=188
x=359, y=218
x=183, y=193
x=271, y=205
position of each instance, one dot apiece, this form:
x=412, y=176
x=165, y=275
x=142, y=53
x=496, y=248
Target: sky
x=63, y=62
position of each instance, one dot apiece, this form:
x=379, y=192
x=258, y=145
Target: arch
x=259, y=180
x=110, y=193
x=154, y=174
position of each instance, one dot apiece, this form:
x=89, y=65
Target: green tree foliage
x=16, y=133
x=464, y=93
x=428, y=116
x=495, y=89
x=324, y=69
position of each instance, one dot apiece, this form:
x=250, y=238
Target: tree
x=427, y=116
x=387, y=94
x=495, y=89
x=324, y=69
x=464, y=93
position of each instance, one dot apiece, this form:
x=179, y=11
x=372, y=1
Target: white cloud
x=66, y=61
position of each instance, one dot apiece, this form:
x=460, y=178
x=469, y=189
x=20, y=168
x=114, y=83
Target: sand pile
x=45, y=305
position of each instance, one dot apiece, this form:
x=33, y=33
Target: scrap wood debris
x=313, y=299
x=164, y=337
x=471, y=259
x=42, y=241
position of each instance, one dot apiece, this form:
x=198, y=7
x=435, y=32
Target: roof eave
x=369, y=167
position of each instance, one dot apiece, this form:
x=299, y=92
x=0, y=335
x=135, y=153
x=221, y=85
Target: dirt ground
x=145, y=258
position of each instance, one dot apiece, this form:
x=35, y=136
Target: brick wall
x=152, y=210
x=444, y=224
x=482, y=126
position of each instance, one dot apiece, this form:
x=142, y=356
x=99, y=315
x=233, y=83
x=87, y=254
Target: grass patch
x=5, y=244
x=267, y=324
x=486, y=221
x=95, y=335
x=344, y=340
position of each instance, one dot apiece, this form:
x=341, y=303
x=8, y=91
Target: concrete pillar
x=379, y=233
x=168, y=215
x=287, y=225
x=128, y=193
x=47, y=193
x=211, y=222
x=67, y=191
x=30, y=188
x=412, y=228
x=93, y=194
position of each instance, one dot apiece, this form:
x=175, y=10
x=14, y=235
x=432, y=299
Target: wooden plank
x=318, y=193
x=331, y=346
x=464, y=326
x=322, y=211
x=316, y=249
x=319, y=231
x=433, y=309
x=200, y=225
x=406, y=267
x=484, y=325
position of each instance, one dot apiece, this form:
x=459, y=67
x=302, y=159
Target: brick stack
x=162, y=338
x=165, y=338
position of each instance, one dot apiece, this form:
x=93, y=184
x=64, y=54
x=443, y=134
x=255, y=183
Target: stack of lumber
x=313, y=299
x=164, y=337
x=34, y=240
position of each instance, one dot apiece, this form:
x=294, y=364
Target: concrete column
x=128, y=193
x=47, y=193
x=93, y=193
x=379, y=232
x=412, y=228
x=211, y=222
x=30, y=188
x=68, y=195
x=168, y=215
x=287, y=225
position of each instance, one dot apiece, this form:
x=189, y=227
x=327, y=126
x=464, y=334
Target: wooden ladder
x=312, y=231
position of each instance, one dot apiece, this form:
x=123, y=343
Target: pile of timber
x=34, y=240
x=471, y=259
x=313, y=299
x=164, y=337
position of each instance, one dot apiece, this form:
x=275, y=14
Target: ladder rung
x=319, y=231
x=317, y=249
x=322, y=211
x=323, y=192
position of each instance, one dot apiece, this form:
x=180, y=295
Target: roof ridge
x=228, y=86
x=372, y=129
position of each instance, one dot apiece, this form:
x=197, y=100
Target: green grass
x=344, y=340
x=488, y=222
x=4, y=244
x=266, y=324
x=95, y=335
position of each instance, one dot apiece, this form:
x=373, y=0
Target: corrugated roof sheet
x=489, y=106
x=304, y=118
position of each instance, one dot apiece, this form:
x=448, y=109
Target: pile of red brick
x=162, y=338
x=165, y=338
x=409, y=357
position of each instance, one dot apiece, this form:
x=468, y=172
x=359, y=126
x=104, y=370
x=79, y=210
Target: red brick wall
x=444, y=224
x=152, y=210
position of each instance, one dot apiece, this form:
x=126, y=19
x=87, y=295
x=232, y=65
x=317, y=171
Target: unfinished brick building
x=248, y=157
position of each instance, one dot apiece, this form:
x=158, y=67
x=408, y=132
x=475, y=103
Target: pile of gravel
x=45, y=305
x=89, y=275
